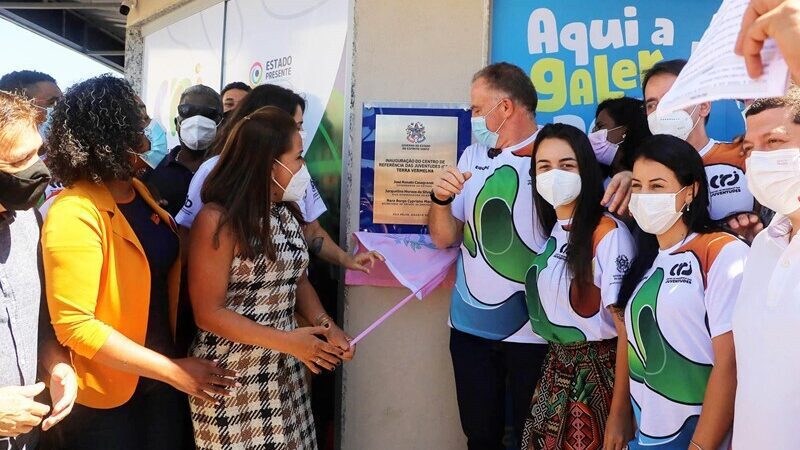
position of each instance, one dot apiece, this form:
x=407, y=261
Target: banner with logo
x=579, y=54
x=403, y=147
x=183, y=54
x=297, y=44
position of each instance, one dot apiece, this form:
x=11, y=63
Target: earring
x=688, y=207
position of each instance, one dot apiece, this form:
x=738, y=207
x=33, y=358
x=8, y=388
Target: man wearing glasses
x=199, y=115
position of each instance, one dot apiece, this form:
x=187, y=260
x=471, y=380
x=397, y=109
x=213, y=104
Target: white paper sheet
x=715, y=72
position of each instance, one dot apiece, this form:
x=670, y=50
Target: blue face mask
x=158, y=144
x=44, y=127
x=482, y=133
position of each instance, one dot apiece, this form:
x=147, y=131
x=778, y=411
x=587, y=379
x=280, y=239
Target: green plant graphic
x=539, y=321
x=653, y=361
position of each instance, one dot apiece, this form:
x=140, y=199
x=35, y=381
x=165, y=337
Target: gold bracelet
x=322, y=319
x=695, y=444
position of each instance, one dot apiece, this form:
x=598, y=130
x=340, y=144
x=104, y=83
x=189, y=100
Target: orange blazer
x=98, y=280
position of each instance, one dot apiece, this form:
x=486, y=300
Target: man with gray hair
x=486, y=205
x=199, y=115
x=27, y=339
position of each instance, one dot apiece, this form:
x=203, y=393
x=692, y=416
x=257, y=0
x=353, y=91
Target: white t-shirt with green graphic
x=501, y=238
x=561, y=313
x=683, y=301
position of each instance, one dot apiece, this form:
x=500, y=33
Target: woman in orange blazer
x=112, y=269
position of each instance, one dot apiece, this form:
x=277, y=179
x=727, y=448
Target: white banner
x=185, y=53
x=297, y=44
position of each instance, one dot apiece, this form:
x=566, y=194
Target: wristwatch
x=436, y=200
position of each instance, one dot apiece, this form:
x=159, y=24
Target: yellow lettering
x=624, y=74
x=580, y=88
x=549, y=76
x=601, y=78
x=648, y=59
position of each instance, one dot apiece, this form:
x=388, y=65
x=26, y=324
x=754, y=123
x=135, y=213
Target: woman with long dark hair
x=570, y=290
x=247, y=279
x=678, y=299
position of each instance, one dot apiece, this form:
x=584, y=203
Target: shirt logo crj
x=681, y=269
x=724, y=180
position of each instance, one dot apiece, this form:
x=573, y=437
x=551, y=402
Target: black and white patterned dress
x=272, y=408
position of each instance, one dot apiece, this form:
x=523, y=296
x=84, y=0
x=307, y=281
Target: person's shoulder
x=27, y=217
x=729, y=153
x=81, y=194
x=709, y=246
x=76, y=205
x=211, y=211
x=208, y=164
x=209, y=219
x=609, y=226
x=167, y=160
x=475, y=150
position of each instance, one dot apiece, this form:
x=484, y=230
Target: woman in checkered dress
x=247, y=281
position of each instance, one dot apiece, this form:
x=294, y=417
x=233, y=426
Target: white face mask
x=604, y=150
x=197, y=132
x=677, y=123
x=558, y=187
x=655, y=213
x=296, y=189
x=774, y=179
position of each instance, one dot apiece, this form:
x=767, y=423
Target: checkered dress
x=272, y=409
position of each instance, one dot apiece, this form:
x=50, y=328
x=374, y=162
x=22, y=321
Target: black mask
x=21, y=190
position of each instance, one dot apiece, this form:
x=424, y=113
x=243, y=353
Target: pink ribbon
x=430, y=284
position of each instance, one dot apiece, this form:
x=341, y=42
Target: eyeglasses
x=187, y=110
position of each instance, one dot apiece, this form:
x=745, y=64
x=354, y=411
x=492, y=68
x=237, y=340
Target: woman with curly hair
x=112, y=267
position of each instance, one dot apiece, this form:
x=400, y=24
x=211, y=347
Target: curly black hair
x=94, y=127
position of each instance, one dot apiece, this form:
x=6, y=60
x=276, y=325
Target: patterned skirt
x=270, y=411
x=570, y=405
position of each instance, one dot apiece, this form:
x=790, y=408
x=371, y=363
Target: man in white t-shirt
x=766, y=319
x=486, y=206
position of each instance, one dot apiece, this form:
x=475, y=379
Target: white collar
x=528, y=141
x=707, y=148
x=780, y=227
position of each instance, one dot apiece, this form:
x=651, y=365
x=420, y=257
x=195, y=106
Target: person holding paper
x=766, y=317
x=678, y=299
x=770, y=19
x=731, y=202
x=484, y=206
x=571, y=289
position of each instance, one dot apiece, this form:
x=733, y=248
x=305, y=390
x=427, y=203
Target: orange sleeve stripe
x=728, y=153
x=606, y=225
x=707, y=247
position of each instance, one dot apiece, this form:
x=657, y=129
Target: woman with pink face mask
x=678, y=300
x=620, y=126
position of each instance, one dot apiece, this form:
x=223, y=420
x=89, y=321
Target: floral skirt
x=570, y=405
